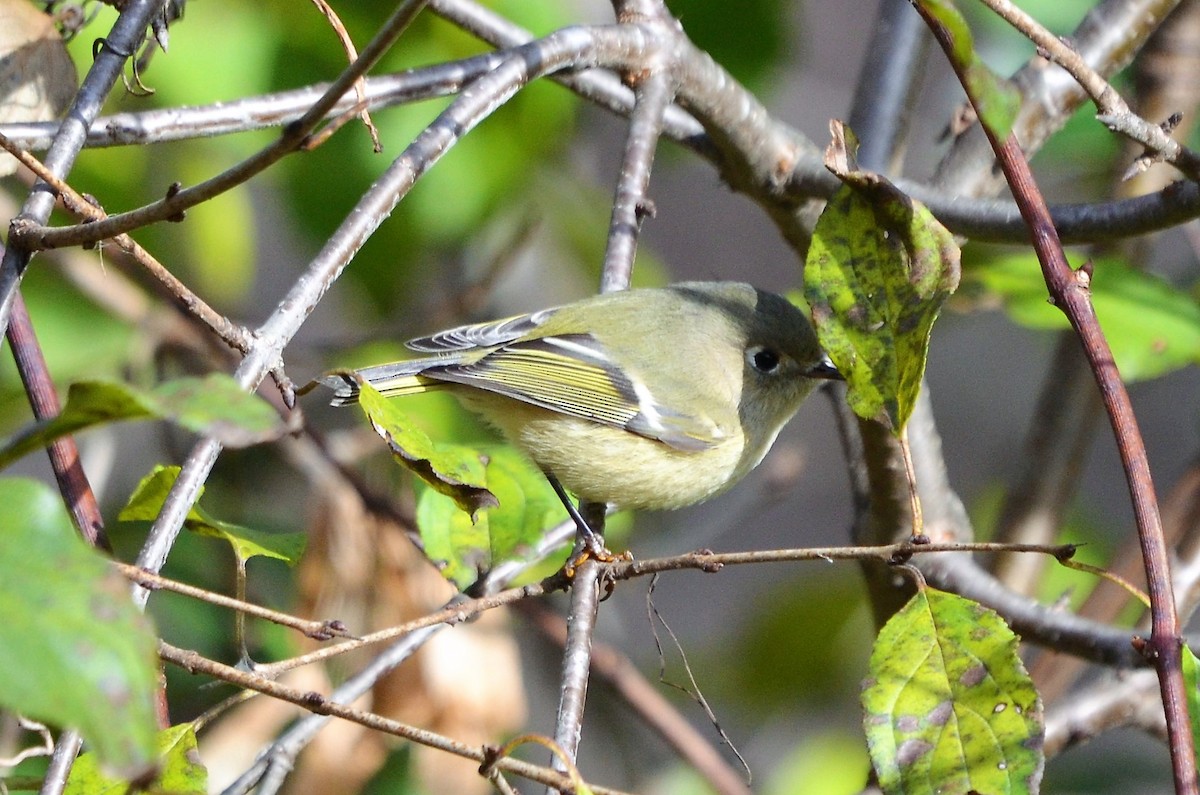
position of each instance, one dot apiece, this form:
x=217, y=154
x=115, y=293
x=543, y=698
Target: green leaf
x=249, y=543
x=465, y=550
x=454, y=471
x=214, y=405
x=74, y=651
x=948, y=706
x=151, y=492
x=1152, y=327
x=878, y=270
x=1191, y=683
x=995, y=99
x=180, y=772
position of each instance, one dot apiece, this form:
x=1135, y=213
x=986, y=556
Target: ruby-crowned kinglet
x=647, y=398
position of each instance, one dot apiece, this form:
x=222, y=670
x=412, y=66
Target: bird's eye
x=763, y=359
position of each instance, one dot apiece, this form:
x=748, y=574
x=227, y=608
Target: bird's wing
x=574, y=375
x=480, y=335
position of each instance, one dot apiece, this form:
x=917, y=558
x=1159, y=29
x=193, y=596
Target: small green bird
x=647, y=398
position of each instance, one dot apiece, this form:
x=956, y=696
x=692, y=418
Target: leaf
x=948, y=706
x=249, y=543
x=1152, y=327
x=213, y=405
x=150, y=494
x=1191, y=681
x=467, y=549
x=74, y=651
x=995, y=99
x=180, y=771
x=454, y=471
x=878, y=270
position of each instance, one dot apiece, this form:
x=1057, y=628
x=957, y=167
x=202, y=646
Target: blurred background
x=514, y=219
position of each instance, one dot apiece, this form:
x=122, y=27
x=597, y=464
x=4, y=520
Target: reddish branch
x=1070, y=292
x=64, y=455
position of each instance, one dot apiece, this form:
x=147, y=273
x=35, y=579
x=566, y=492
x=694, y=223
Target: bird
x=648, y=398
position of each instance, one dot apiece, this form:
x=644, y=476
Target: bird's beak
x=824, y=369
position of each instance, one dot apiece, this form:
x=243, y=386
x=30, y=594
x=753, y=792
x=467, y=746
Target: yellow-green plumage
x=650, y=398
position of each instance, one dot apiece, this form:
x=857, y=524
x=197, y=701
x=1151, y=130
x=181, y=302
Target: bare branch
x=332, y=706
x=173, y=205
x=109, y=60
x=1113, y=110
x=1112, y=702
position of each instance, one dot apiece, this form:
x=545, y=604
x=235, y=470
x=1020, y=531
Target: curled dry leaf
x=37, y=76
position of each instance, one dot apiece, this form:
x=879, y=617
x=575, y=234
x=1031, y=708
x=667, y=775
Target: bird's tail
x=390, y=380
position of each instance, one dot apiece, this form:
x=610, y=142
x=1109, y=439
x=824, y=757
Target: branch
x=165, y=125
x=109, y=60
x=646, y=702
x=194, y=307
x=72, y=481
x=293, y=138
x=1069, y=290
x=1104, y=705
x=314, y=702
x=1113, y=110
x=652, y=98
x=319, y=630
x=989, y=220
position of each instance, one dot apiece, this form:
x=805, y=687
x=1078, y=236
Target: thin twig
x=360, y=86
x=1069, y=289
x=630, y=202
x=319, y=630
x=576, y=661
x=61, y=761
x=293, y=138
x=1113, y=110
x=196, y=308
x=455, y=612
x=1053, y=627
x=322, y=705
x=630, y=206
x=640, y=696
x=107, y=65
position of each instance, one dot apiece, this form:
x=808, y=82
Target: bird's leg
x=588, y=543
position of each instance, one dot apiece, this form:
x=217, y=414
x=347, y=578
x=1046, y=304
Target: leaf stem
x=910, y=474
